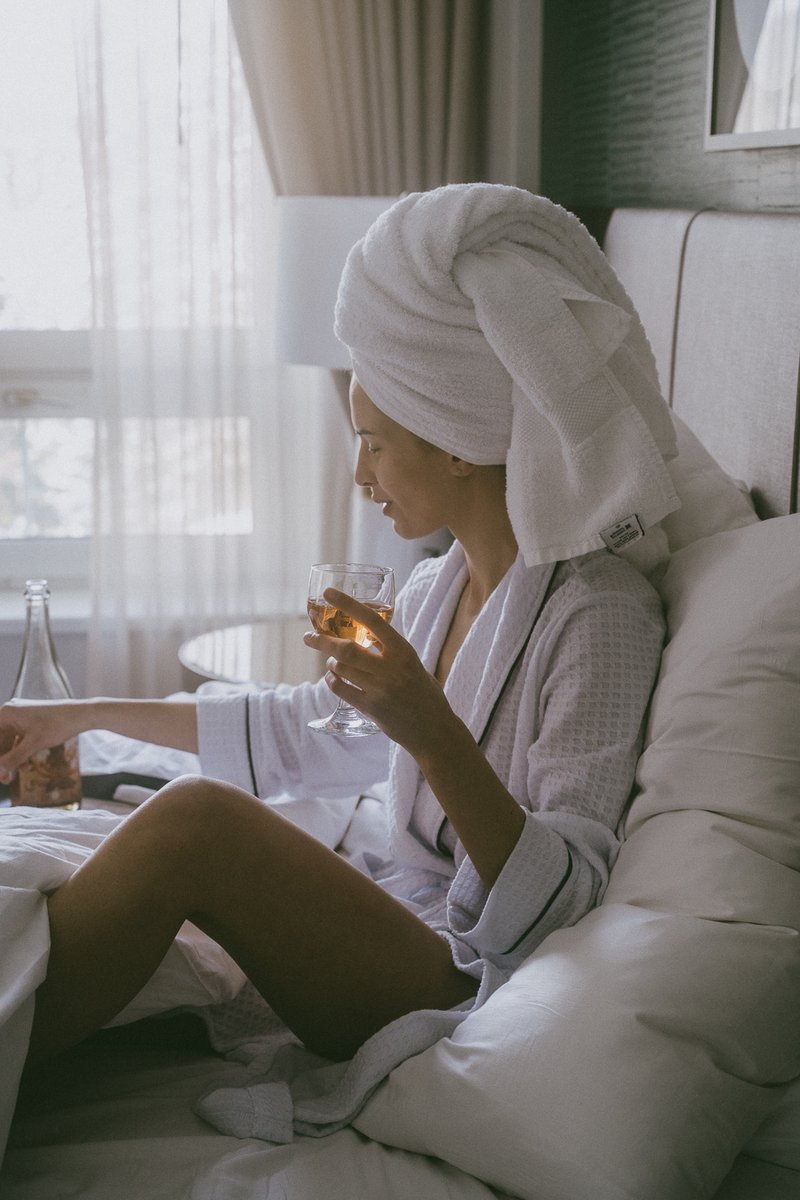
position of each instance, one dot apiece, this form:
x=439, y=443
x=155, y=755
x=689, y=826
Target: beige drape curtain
x=367, y=97
x=379, y=97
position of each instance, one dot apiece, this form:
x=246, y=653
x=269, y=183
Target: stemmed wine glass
x=373, y=587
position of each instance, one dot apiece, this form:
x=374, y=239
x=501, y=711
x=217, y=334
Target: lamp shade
x=314, y=237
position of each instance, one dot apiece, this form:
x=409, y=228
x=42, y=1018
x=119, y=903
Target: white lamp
x=314, y=236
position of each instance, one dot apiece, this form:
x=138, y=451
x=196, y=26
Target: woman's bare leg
x=334, y=955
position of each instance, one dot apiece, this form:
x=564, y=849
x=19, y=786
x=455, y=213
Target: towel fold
x=487, y=321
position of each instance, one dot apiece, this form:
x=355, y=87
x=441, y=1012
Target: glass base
x=345, y=722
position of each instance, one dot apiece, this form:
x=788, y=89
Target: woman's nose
x=361, y=473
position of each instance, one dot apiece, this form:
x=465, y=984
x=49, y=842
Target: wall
x=624, y=87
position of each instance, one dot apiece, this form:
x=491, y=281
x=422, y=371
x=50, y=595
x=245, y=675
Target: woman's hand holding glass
x=383, y=679
x=374, y=586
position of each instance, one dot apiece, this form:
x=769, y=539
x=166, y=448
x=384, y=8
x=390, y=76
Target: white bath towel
x=488, y=321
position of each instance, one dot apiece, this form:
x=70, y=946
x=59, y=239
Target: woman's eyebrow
x=365, y=432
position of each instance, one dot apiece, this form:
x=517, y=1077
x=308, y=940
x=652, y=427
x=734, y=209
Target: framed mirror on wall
x=753, y=91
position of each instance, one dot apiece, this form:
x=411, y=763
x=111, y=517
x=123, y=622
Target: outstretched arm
x=29, y=726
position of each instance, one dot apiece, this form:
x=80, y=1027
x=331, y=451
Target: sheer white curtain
x=769, y=38
x=213, y=488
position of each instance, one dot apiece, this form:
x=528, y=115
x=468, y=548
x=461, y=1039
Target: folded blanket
x=488, y=321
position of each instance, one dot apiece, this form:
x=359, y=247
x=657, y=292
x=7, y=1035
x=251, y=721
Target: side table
x=266, y=651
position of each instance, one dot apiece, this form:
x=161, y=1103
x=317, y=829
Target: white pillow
x=711, y=501
x=602, y=1069
x=713, y=830
x=634, y=1054
x=778, y=1139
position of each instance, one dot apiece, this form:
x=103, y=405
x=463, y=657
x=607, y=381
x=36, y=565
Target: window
x=48, y=425
x=46, y=433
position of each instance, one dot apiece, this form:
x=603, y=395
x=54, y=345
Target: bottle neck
x=40, y=675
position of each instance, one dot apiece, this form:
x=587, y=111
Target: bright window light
x=44, y=259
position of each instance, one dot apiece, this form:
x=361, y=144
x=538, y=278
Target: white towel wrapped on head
x=487, y=321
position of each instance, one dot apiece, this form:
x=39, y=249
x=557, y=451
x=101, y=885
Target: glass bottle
x=52, y=777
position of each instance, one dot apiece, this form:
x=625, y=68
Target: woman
x=503, y=388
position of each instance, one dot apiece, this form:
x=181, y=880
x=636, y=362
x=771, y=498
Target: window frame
x=45, y=373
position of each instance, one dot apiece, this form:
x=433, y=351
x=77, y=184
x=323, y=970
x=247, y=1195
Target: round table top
x=266, y=651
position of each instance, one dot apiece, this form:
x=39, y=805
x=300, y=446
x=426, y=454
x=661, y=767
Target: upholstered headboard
x=719, y=296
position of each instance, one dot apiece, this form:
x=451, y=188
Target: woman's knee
x=196, y=807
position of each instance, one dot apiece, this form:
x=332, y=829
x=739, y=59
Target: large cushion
x=714, y=828
x=711, y=501
x=778, y=1139
x=634, y=1054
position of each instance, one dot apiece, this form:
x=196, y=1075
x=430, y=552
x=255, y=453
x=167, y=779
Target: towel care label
x=623, y=532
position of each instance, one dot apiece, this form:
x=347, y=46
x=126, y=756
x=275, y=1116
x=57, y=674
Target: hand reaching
x=29, y=726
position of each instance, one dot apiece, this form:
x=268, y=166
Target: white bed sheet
x=112, y=1120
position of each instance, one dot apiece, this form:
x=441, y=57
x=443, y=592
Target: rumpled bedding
x=109, y=1122
x=39, y=850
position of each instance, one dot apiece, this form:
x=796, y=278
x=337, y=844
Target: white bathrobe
x=553, y=679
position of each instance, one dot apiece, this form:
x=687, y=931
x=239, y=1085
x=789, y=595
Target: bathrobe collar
x=492, y=645
x=479, y=671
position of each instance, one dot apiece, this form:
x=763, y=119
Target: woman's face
x=412, y=480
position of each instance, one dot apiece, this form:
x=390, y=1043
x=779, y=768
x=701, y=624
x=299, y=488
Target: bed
x=650, y=1052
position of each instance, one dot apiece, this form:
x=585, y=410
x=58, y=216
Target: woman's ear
x=459, y=466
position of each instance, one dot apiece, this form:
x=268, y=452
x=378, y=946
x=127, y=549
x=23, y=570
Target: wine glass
x=373, y=587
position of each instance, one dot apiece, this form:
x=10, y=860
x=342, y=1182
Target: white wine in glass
x=371, y=586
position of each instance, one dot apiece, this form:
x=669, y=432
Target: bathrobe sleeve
x=259, y=740
x=582, y=709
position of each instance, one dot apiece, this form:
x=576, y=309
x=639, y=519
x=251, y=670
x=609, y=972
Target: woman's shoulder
x=603, y=574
